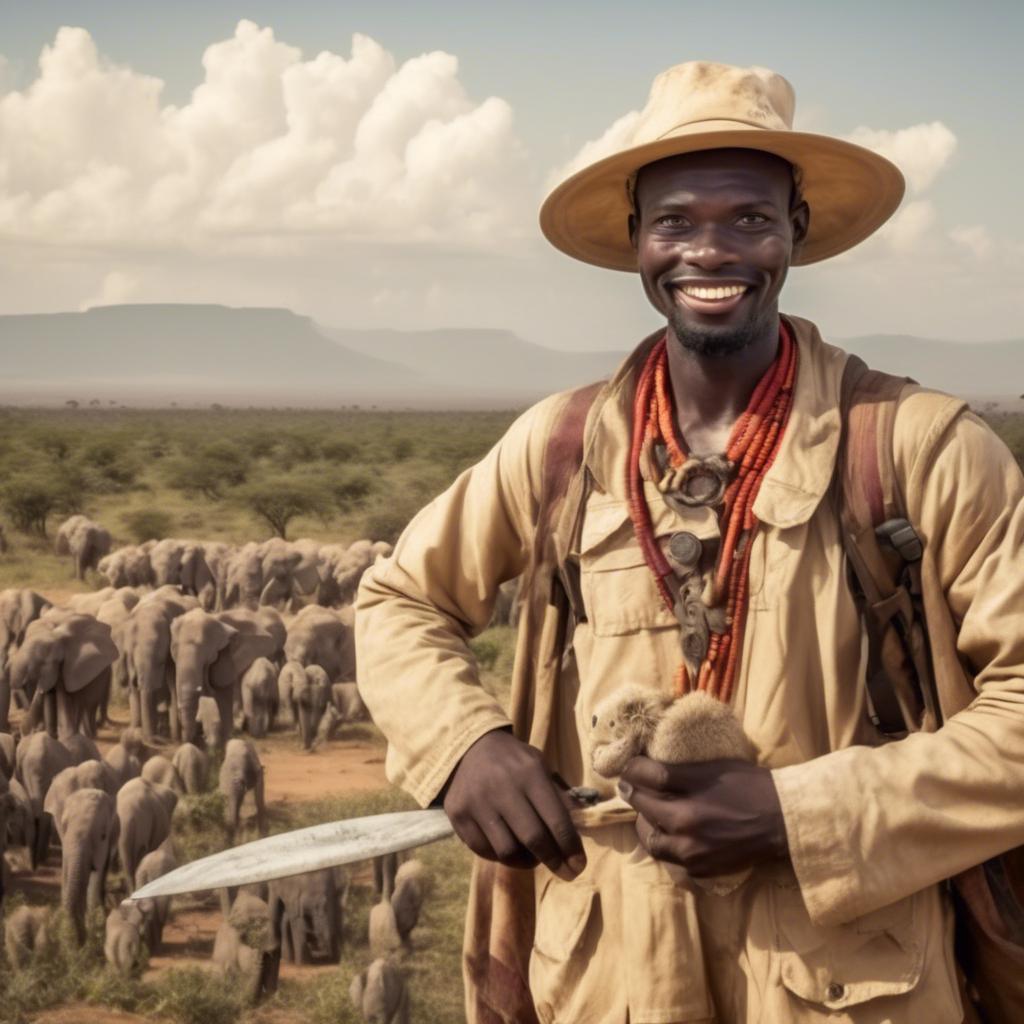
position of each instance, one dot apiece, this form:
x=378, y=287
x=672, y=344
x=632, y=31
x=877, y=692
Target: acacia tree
x=277, y=501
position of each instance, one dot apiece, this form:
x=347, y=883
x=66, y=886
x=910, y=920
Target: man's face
x=714, y=234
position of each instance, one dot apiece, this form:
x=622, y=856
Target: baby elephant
x=240, y=773
x=693, y=728
x=126, y=925
x=193, y=766
x=306, y=914
x=394, y=917
x=380, y=994
x=245, y=946
x=25, y=933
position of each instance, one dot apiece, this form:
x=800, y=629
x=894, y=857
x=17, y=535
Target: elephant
x=145, y=810
x=123, y=935
x=288, y=572
x=19, y=608
x=193, y=766
x=67, y=659
x=160, y=770
x=81, y=748
x=9, y=807
x=245, y=945
x=309, y=692
x=217, y=555
x=155, y=864
x=87, y=775
x=306, y=916
x=210, y=656
x=243, y=577
x=89, y=827
x=25, y=933
x=87, y=542
x=144, y=642
x=380, y=994
x=341, y=569
x=393, y=918
x=195, y=575
x=125, y=757
x=22, y=822
x=127, y=567
x=208, y=716
x=40, y=758
x=258, y=688
x=165, y=558
x=240, y=772
x=349, y=703
x=320, y=636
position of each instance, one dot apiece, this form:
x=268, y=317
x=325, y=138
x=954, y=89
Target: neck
x=711, y=392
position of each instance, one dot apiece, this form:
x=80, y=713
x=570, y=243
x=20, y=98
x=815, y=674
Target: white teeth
x=711, y=294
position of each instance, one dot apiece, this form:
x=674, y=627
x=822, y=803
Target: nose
x=708, y=249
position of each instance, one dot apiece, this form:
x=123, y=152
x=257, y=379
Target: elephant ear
x=247, y=643
x=88, y=650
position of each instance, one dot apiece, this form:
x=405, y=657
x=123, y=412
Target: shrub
x=349, y=490
x=212, y=468
x=29, y=501
x=337, y=450
x=148, y=524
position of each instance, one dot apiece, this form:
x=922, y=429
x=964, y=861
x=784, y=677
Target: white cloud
x=920, y=151
x=909, y=225
x=269, y=144
x=616, y=136
x=115, y=288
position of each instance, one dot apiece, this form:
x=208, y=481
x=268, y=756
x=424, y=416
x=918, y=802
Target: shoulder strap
x=883, y=553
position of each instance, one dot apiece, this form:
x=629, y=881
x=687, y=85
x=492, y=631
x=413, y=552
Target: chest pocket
x=619, y=593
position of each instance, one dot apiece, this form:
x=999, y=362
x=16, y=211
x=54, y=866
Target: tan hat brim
x=850, y=190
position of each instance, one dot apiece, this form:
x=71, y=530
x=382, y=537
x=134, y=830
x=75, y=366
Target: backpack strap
x=883, y=554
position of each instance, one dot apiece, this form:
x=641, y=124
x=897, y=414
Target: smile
x=710, y=299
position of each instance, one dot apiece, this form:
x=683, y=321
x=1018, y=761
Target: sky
x=382, y=165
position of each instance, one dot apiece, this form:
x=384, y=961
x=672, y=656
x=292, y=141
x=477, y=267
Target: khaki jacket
x=857, y=927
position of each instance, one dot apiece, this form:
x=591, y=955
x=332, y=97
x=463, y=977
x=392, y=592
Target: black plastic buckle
x=902, y=537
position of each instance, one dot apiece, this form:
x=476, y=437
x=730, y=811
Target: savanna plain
x=236, y=476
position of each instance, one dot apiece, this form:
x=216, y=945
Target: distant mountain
x=480, y=361
x=193, y=355
x=148, y=352
x=971, y=369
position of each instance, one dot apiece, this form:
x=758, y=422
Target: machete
x=336, y=843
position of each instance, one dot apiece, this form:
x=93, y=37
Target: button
x=835, y=991
x=685, y=548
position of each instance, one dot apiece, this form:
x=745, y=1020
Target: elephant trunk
x=233, y=812
x=308, y=722
x=5, y=693
x=189, y=678
x=75, y=884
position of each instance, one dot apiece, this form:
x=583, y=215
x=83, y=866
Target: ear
x=243, y=648
x=800, y=219
x=88, y=650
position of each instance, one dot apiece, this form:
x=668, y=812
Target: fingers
x=560, y=842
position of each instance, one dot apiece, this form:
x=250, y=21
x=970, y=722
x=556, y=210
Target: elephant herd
x=118, y=810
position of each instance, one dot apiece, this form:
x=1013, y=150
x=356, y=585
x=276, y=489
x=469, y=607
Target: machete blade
x=306, y=849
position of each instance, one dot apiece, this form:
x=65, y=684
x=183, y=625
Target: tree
x=277, y=501
x=28, y=501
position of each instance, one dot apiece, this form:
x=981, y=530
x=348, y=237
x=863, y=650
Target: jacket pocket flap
x=562, y=917
x=600, y=523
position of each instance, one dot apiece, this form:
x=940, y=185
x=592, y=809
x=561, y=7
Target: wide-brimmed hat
x=699, y=105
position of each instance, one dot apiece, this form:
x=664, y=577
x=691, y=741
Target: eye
x=753, y=219
x=670, y=220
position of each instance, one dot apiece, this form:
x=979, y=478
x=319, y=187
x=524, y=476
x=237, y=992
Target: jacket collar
x=795, y=484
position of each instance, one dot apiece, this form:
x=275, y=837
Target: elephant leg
x=44, y=825
x=270, y=966
x=50, y=714
x=5, y=696
x=261, y=804
x=224, y=696
x=135, y=710
x=299, y=944
x=174, y=709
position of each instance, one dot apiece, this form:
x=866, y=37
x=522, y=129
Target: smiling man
x=695, y=523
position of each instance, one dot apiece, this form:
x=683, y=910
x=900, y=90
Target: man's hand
x=713, y=818
x=504, y=805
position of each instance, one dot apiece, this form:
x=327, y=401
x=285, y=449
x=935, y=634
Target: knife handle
x=608, y=812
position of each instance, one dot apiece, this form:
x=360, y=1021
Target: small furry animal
x=635, y=720
x=695, y=727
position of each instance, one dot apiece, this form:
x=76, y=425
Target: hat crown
x=700, y=91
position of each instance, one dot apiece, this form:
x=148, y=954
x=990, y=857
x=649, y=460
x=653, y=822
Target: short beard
x=716, y=342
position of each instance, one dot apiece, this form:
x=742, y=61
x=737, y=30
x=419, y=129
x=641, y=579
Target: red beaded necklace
x=753, y=445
